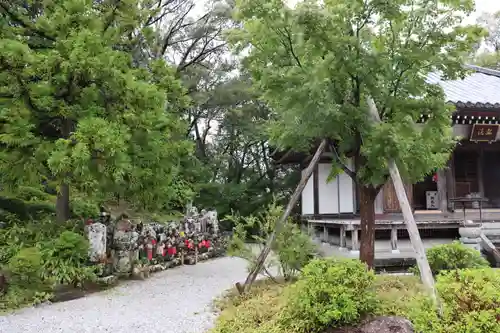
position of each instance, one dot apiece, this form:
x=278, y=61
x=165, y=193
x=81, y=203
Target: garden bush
x=66, y=259
x=36, y=256
x=26, y=285
x=453, y=256
x=330, y=293
x=29, y=233
x=470, y=300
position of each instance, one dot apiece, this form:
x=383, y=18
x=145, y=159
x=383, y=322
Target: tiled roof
x=479, y=89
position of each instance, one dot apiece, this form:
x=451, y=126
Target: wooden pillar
x=480, y=178
x=325, y=234
x=343, y=243
x=355, y=240
x=450, y=182
x=315, y=177
x=441, y=187
x=394, y=239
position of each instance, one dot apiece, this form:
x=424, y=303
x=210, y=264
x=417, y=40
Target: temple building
x=473, y=171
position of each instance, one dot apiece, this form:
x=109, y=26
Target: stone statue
x=213, y=222
x=97, y=242
x=125, y=243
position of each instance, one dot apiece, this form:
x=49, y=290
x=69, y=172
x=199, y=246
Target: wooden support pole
x=394, y=239
x=450, y=182
x=411, y=225
x=480, y=176
x=442, y=195
x=283, y=219
x=325, y=234
x=355, y=240
x=343, y=242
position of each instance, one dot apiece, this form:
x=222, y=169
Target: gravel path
x=173, y=301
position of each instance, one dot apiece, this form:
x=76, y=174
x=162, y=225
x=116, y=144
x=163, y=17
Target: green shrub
x=470, y=300
x=329, y=293
x=291, y=250
x=25, y=268
x=65, y=259
x=26, y=285
x=453, y=256
x=31, y=233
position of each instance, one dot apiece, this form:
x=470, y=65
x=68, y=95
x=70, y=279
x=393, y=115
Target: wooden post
x=343, y=243
x=325, y=234
x=411, y=225
x=394, y=239
x=442, y=195
x=355, y=240
x=480, y=176
x=450, y=182
x=283, y=219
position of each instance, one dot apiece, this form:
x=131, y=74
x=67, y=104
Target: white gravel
x=177, y=300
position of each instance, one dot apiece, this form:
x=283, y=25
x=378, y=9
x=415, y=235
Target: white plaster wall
x=336, y=196
x=308, y=197
x=328, y=191
x=346, y=190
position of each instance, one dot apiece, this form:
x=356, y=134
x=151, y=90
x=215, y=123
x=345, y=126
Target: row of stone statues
x=127, y=247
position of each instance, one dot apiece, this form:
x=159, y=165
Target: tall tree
x=76, y=111
x=232, y=168
x=490, y=56
x=491, y=22
x=315, y=65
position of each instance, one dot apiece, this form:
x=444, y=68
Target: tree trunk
x=367, y=196
x=62, y=204
x=282, y=221
x=406, y=209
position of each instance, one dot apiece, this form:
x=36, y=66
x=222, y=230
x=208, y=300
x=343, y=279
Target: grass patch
x=253, y=312
x=395, y=293
x=260, y=288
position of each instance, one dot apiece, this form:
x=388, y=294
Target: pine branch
x=4, y=7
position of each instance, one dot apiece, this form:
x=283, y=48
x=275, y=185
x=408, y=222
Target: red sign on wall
x=483, y=133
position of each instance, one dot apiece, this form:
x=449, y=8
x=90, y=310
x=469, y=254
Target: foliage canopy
x=77, y=111
x=315, y=65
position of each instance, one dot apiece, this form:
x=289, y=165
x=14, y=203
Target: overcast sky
x=487, y=6
x=481, y=6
